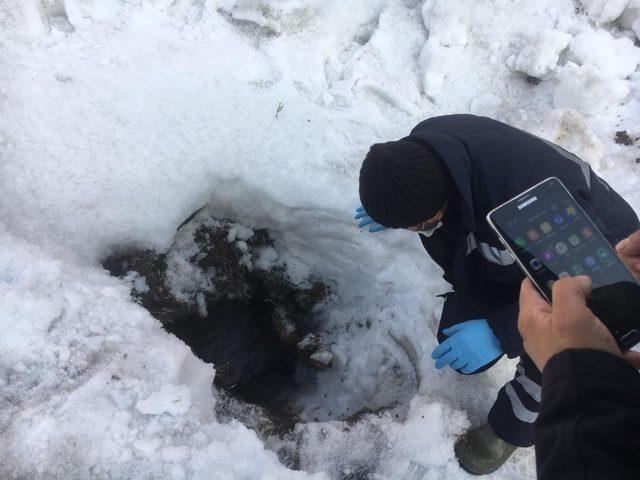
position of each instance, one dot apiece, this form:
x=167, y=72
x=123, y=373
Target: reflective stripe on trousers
x=516, y=408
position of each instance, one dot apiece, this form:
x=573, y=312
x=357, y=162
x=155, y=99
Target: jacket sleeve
x=504, y=323
x=589, y=417
x=609, y=211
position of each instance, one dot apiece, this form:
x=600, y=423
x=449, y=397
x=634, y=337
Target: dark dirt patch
x=252, y=323
x=533, y=80
x=623, y=138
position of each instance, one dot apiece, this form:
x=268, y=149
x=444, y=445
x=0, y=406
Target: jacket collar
x=457, y=160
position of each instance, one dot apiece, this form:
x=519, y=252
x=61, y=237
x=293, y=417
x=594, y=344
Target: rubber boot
x=480, y=452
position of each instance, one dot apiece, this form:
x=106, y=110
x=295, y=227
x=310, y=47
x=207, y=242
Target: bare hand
x=629, y=251
x=568, y=324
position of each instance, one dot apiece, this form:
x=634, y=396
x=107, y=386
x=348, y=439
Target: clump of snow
x=322, y=358
x=540, y=56
x=240, y=233
x=616, y=57
x=138, y=282
x=594, y=80
x=267, y=259
x=604, y=11
x=630, y=18
x=185, y=279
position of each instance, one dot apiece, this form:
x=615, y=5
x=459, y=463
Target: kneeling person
x=441, y=181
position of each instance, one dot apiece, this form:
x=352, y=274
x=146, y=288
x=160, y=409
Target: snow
x=630, y=18
x=322, y=357
x=617, y=57
x=540, y=56
x=171, y=399
x=446, y=23
x=340, y=449
x=120, y=119
x=92, y=387
x=604, y=11
x=587, y=89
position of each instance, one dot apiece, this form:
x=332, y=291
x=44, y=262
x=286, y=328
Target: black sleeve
x=589, y=421
x=504, y=323
x=609, y=211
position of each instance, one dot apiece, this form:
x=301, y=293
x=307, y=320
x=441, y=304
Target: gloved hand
x=471, y=345
x=367, y=220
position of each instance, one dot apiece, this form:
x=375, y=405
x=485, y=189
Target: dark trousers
x=516, y=408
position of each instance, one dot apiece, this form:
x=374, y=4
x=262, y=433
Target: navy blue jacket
x=491, y=162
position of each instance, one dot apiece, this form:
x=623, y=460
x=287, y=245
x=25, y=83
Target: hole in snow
x=245, y=304
x=240, y=302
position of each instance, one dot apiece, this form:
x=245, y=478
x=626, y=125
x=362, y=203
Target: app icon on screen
x=545, y=227
x=574, y=240
x=561, y=248
x=548, y=256
x=602, y=252
x=533, y=235
x=521, y=242
x=558, y=219
x=535, y=264
x=577, y=269
x=590, y=261
x=570, y=211
x=563, y=275
x=586, y=232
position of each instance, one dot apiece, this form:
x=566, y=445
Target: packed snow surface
x=120, y=118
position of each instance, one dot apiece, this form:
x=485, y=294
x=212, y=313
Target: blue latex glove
x=367, y=220
x=471, y=345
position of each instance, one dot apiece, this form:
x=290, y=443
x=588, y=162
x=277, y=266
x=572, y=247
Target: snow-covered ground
x=119, y=118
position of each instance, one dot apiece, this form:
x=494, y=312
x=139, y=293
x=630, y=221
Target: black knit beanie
x=403, y=183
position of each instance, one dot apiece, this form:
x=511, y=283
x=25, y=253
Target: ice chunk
x=321, y=359
x=617, y=57
x=540, y=56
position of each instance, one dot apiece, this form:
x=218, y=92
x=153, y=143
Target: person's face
x=427, y=224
